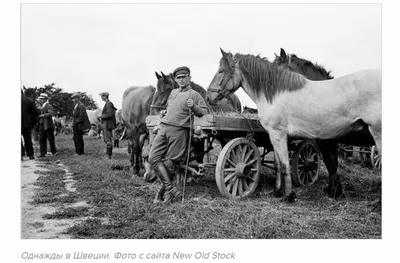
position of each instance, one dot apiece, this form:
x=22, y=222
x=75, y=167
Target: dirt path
x=33, y=225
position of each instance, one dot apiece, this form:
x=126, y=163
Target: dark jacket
x=47, y=113
x=29, y=113
x=108, y=116
x=80, y=117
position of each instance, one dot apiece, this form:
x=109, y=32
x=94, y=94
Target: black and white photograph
x=184, y=132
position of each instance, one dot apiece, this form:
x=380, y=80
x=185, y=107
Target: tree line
x=61, y=101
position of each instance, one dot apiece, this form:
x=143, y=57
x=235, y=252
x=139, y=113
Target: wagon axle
x=243, y=170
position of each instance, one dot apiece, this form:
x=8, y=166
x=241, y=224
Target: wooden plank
x=219, y=123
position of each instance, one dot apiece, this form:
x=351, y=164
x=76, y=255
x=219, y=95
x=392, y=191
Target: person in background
x=80, y=123
x=29, y=115
x=108, y=122
x=170, y=144
x=46, y=126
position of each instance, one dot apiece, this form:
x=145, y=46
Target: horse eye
x=221, y=70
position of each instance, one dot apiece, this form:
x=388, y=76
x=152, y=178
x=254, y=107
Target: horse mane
x=199, y=89
x=268, y=78
x=302, y=63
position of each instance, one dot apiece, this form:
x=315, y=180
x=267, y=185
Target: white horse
x=346, y=109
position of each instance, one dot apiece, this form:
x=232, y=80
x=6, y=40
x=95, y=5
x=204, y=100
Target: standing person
x=46, y=126
x=170, y=144
x=80, y=123
x=29, y=114
x=108, y=122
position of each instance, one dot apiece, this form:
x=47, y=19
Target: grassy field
x=120, y=206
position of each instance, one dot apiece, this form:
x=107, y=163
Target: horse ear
x=157, y=75
x=223, y=53
x=283, y=53
x=162, y=73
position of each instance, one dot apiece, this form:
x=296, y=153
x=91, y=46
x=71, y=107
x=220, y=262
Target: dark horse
x=292, y=106
x=310, y=70
x=140, y=102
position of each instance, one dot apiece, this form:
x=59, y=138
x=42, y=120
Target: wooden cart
x=245, y=145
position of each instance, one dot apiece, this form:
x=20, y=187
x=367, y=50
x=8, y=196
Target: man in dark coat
x=80, y=123
x=108, y=122
x=29, y=114
x=46, y=126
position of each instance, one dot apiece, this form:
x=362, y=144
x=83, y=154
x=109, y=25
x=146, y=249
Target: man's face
x=75, y=100
x=182, y=81
x=103, y=97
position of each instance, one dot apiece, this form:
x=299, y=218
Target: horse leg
x=135, y=155
x=329, y=151
x=279, y=142
x=278, y=182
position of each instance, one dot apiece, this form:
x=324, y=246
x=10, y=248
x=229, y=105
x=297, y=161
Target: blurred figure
x=108, y=122
x=80, y=123
x=46, y=126
x=29, y=114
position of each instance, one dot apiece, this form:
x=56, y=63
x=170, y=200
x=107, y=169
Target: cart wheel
x=365, y=155
x=306, y=163
x=238, y=168
x=375, y=158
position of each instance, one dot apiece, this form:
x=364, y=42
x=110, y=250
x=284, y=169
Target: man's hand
x=190, y=103
x=163, y=112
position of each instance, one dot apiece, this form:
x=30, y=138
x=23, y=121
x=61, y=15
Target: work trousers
x=107, y=136
x=26, y=133
x=78, y=140
x=169, y=145
x=45, y=135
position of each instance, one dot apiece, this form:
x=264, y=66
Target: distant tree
x=61, y=101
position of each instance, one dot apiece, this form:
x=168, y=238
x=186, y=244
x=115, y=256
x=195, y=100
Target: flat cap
x=105, y=94
x=75, y=95
x=43, y=96
x=181, y=71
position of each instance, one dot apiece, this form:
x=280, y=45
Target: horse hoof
x=290, y=198
x=336, y=193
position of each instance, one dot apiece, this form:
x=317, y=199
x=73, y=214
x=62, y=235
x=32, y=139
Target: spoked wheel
x=306, y=163
x=371, y=157
x=238, y=168
x=375, y=158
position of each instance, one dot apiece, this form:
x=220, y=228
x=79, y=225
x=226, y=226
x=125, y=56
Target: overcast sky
x=110, y=47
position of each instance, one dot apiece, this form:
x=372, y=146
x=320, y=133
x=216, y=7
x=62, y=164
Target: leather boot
x=109, y=151
x=171, y=191
x=159, y=196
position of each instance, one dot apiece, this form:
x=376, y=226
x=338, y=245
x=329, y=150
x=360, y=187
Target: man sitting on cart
x=170, y=144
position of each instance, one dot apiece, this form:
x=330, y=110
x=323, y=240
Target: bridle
x=222, y=92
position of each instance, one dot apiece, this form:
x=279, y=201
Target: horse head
x=30, y=93
x=226, y=81
x=302, y=66
x=165, y=84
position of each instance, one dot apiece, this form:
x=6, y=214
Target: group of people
x=39, y=116
x=168, y=148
